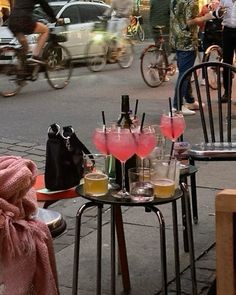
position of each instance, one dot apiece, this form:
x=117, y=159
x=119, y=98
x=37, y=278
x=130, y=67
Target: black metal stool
x=54, y=221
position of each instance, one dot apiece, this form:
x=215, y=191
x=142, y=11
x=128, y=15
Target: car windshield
x=39, y=14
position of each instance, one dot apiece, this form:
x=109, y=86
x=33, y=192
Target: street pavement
x=141, y=231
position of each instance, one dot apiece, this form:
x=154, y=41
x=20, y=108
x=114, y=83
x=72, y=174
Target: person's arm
x=48, y=10
x=198, y=20
x=218, y=13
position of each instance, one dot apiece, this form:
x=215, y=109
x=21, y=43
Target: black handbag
x=64, y=158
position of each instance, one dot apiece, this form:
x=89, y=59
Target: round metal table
x=116, y=204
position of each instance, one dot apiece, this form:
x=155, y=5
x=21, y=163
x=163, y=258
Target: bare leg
x=23, y=41
x=44, y=32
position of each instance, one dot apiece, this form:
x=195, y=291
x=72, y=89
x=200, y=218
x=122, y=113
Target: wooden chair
x=225, y=206
x=216, y=116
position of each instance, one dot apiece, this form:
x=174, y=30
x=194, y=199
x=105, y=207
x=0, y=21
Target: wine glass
x=172, y=126
x=146, y=142
x=99, y=139
x=122, y=145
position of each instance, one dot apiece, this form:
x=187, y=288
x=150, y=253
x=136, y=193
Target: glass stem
x=123, y=176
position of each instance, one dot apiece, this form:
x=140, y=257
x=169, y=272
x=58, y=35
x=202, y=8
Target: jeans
x=185, y=60
x=229, y=47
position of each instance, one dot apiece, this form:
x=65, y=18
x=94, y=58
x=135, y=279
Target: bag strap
x=68, y=131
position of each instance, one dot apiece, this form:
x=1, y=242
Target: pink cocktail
x=147, y=141
x=172, y=127
x=122, y=145
x=100, y=140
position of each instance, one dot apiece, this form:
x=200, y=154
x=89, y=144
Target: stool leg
x=113, y=252
x=163, y=247
x=77, y=246
x=190, y=237
x=194, y=194
x=99, y=249
x=185, y=233
x=176, y=247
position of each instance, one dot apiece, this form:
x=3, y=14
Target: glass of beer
x=165, y=178
x=96, y=174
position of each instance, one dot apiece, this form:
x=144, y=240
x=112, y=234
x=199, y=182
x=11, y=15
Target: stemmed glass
x=122, y=145
x=146, y=142
x=99, y=139
x=172, y=126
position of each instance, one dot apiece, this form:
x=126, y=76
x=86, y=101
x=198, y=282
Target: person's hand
x=222, y=10
x=190, y=22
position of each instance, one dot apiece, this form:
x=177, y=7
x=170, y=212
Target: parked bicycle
x=135, y=29
x=16, y=68
x=155, y=65
x=105, y=47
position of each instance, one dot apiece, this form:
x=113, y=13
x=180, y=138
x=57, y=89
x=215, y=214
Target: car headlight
x=14, y=41
x=98, y=36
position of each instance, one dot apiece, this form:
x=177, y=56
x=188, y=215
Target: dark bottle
x=125, y=121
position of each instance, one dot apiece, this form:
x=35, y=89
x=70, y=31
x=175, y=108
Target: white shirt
x=229, y=18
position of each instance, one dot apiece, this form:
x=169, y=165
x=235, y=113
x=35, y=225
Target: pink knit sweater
x=27, y=261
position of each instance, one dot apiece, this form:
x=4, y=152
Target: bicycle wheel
x=96, y=53
x=213, y=53
x=58, y=68
x=141, y=33
x=126, y=55
x=10, y=64
x=153, y=66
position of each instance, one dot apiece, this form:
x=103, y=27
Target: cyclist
x=21, y=23
x=120, y=12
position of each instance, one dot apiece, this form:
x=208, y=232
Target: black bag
x=64, y=158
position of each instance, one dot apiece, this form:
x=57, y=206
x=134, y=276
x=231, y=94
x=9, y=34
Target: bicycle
x=103, y=48
x=135, y=28
x=16, y=68
x=154, y=62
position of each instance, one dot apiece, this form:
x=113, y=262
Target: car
x=82, y=16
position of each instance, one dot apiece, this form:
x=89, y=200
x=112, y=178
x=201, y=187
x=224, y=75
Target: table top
x=109, y=199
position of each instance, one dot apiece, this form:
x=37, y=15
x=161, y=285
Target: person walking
x=120, y=12
x=184, y=40
x=227, y=11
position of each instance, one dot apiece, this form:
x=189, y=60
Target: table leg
x=163, y=247
x=176, y=247
x=122, y=249
x=77, y=245
x=186, y=197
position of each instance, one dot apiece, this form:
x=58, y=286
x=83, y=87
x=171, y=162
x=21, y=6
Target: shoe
x=203, y=82
x=225, y=98
x=194, y=106
x=185, y=111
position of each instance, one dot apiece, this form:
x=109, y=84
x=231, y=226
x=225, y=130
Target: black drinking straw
x=142, y=122
x=136, y=109
x=172, y=128
x=104, y=121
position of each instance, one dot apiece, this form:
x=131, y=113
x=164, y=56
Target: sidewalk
x=142, y=236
